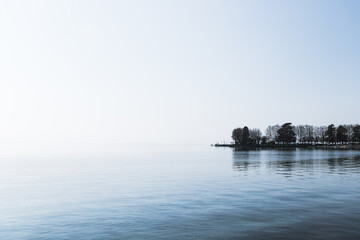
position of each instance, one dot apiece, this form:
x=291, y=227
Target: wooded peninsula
x=346, y=136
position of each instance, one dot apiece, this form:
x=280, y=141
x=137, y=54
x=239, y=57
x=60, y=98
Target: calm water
x=180, y=192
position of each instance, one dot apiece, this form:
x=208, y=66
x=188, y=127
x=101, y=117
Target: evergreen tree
x=286, y=133
x=356, y=134
x=341, y=134
x=330, y=134
x=245, y=136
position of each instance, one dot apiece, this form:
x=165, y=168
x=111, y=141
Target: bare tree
x=272, y=133
x=255, y=134
x=317, y=134
x=323, y=133
x=309, y=133
x=300, y=133
x=268, y=134
x=350, y=132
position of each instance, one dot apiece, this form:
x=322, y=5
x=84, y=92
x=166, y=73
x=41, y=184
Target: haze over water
x=181, y=192
x=79, y=77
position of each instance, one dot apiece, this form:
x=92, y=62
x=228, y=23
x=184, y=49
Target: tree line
x=302, y=134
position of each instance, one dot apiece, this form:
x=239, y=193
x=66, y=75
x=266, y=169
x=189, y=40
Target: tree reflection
x=296, y=162
x=242, y=160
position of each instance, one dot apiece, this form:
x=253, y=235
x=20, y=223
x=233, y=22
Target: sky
x=174, y=71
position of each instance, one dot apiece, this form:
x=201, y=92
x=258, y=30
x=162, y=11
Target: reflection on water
x=298, y=162
x=315, y=191
x=186, y=192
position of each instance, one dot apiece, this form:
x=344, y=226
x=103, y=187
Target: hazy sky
x=174, y=71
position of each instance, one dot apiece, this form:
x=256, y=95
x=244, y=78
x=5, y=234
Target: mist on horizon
x=174, y=71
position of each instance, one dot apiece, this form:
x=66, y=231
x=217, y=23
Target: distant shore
x=289, y=146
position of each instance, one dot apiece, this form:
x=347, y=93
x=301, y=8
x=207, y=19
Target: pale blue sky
x=174, y=71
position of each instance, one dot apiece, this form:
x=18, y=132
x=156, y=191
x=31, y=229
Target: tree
x=350, y=132
x=341, y=134
x=269, y=134
x=317, y=134
x=263, y=140
x=330, y=134
x=255, y=134
x=286, y=133
x=245, y=136
x=300, y=133
x=272, y=133
x=309, y=133
x=237, y=135
x=323, y=133
x=275, y=130
x=356, y=134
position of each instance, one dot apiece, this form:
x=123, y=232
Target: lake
x=179, y=192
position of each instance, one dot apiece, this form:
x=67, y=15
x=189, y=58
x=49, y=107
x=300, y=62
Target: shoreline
x=292, y=146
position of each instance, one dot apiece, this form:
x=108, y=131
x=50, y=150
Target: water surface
x=180, y=192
